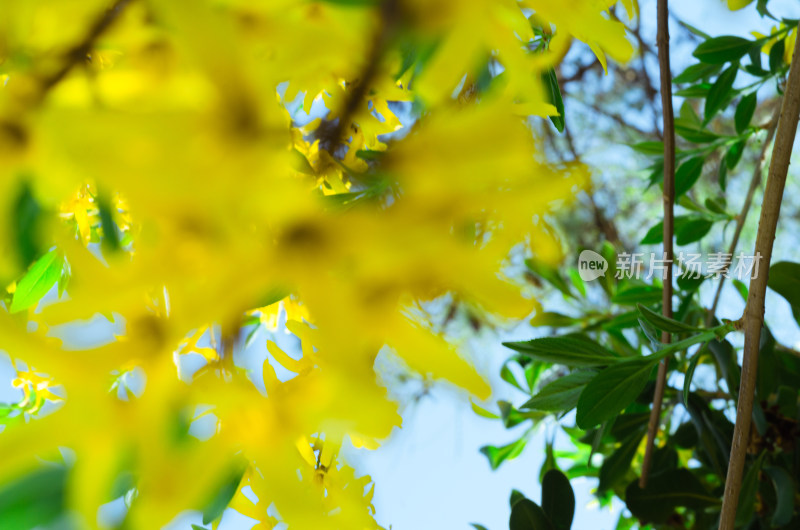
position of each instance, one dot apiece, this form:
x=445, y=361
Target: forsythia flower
x=155, y=145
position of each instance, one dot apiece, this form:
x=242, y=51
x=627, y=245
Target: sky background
x=430, y=474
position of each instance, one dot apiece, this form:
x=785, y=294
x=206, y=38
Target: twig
x=331, y=133
x=754, y=311
x=79, y=52
x=742, y=217
x=669, y=200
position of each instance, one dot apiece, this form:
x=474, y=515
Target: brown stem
x=754, y=311
x=669, y=200
x=79, y=52
x=754, y=183
x=332, y=133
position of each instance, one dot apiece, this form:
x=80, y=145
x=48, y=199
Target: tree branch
x=742, y=217
x=669, y=200
x=754, y=311
x=79, y=52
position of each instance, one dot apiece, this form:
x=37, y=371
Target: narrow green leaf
x=34, y=500
x=694, y=134
x=784, y=492
x=722, y=49
x=527, y=515
x=612, y=390
x=665, y=323
x=553, y=93
x=498, y=455
x=616, y=466
x=561, y=394
x=110, y=230
x=558, y=499
x=744, y=112
x=696, y=72
x=720, y=91
x=734, y=153
x=515, y=497
x=692, y=231
x=784, y=279
x=665, y=492
x=25, y=223
x=570, y=350
x=37, y=281
x=637, y=294
x=222, y=497
x=649, y=148
x=723, y=176
x=776, y=56
x=687, y=174
x=741, y=288
x=482, y=412
x=747, y=495
x=553, y=320
x=699, y=90
x=687, y=379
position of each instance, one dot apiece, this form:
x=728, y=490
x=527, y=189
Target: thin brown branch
x=755, y=181
x=669, y=200
x=754, y=311
x=332, y=133
x=81, y=50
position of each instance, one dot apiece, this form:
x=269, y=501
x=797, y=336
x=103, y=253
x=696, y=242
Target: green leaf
x=722, y=49
x=25, y=223
x=570, y=350
x=110, y=230
x=720, y=91
x=515, y=497
x=734, y=153
x=716, y=205
x=527, y=515
x=649, y=148
x=37, y=281
x=723, y=176
x=35, y=500
x=665, y=492
x=223, y=496
x=687, y=379
x=477, y=526
x=558, y=499
x=744, y=112
x=637, y=294
x=612, y=390
x=784, y=279
x=498, y=455
x=695, y=91
x=687, y=174
x=692, y=231
x=616, y=466
x=561, y=394
x=694, y=134
x=776, y=56
x=482, y=412
x=664, y=323
x=784, y=493
x=553, y=93
x=741, y=288
x=553, y=320
x=747, y=495
x=696, y=72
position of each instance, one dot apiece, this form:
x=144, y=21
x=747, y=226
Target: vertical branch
x=754, y=311
x=748, y=201
x=669, y=200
